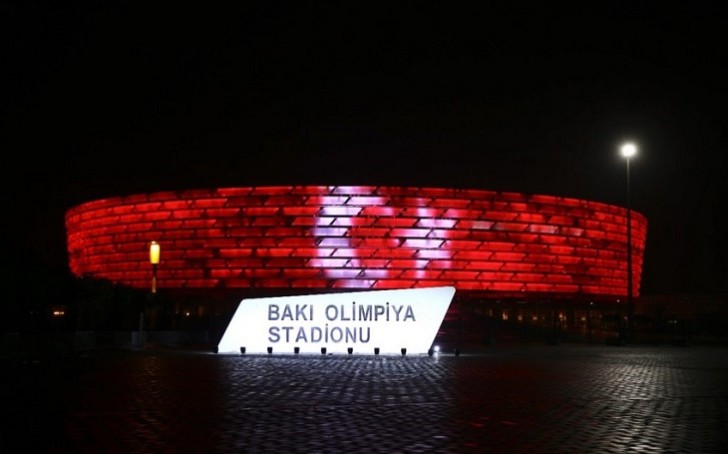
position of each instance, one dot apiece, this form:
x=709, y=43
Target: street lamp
x=629, y=150
x=154, y=252
x=154, y=260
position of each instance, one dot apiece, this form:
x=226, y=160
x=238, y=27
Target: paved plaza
x=502, y=399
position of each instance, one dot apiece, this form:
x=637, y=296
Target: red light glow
x=359, y=237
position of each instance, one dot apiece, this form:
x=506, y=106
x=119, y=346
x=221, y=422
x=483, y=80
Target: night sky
x=110, y=98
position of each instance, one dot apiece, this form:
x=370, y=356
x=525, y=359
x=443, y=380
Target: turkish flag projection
x=360, y=237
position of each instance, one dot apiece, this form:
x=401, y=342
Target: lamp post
x=629, y=150
x=154, y=260
x=154, y=252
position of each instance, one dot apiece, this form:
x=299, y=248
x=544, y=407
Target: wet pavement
x=502, y=398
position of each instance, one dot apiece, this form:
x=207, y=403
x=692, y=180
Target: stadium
x=536, y=261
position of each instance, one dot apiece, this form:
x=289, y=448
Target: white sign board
x=389, y=320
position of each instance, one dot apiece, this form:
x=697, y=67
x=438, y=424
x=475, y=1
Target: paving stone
x=503, y=398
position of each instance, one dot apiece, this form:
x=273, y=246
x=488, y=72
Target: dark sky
x=113, y=98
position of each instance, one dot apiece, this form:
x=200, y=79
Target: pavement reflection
x=520, y=398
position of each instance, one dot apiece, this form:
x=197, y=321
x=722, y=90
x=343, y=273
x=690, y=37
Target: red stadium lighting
x=492, y=244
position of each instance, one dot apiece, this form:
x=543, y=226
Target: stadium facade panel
x=495, y=244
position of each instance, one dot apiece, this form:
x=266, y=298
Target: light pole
x=154, y=252
x=154, y=260
x=629, y=150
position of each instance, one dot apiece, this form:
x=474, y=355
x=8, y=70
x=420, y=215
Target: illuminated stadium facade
x=491, y=246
